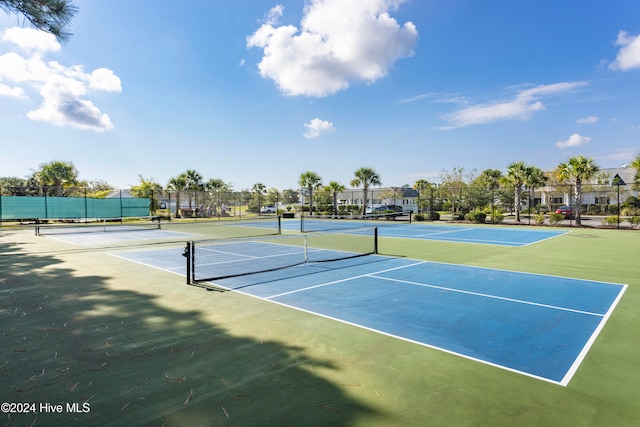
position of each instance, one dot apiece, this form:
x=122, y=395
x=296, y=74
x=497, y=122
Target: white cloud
x=629, y=54
x=63, y=106
x=63, y=88
x=317, y=127
x=274, y=15
x=588, y=120
x=574, y=140
x=12, y=92
x=104, y=79
x=339, y=42
x=520, y=107
x=414, y=98
x=31, y=40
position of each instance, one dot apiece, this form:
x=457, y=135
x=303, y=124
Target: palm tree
x=365, y=176
x=57, y=174
x=421, y=185
x=335, y=187
x=259, y=189
x=520, y=175
x=218, y=186
x=193, y=184
x=177, y=184
x=311, y=181
x=578, y=169
x=516, y=174
x=52, y=16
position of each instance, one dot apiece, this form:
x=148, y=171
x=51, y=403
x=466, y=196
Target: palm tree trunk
x=365, y=190
x=578, y=200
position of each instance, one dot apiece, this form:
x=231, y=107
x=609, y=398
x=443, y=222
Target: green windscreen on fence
x=23, y=207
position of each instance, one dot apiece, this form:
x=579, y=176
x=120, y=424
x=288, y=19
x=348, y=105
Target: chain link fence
x=615, y=204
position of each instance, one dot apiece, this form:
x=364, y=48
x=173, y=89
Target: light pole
x=617, y=181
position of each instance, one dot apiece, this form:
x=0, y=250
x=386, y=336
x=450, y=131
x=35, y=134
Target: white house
x=398, y=196
x=599, y=190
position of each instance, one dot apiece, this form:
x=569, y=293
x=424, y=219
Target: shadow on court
x=73, y=333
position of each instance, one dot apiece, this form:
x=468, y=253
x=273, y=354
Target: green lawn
x=140, y=347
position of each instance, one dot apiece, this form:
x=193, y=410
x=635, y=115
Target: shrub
x=540, y=219
x=629, y=211
x=634, y=221
x=632, y=201
x=418, y=217
x=479, y=217
x=555, y=219
x=434, y=216
x=497, y=218
x=610, y=221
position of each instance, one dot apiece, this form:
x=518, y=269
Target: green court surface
x=134, y=345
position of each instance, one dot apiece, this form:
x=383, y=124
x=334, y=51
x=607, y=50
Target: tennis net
x=209, y=260
x=226, y=228
x=54, y=227
x=337, y=222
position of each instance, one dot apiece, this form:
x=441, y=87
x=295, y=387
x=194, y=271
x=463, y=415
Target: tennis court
x=503, y=236
x=541, y=326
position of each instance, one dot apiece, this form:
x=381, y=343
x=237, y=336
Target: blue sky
x=259, y=91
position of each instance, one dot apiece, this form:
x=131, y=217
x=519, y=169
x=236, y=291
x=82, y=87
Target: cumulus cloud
x=588, y=120
x=574, y=140
x=63, y=88
x=628, y=56
x=12, y=92
x=338, y=42
x=519, y=107
x=317, y=127
x=31, y=40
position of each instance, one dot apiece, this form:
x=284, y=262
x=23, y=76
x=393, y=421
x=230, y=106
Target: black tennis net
x=226, y=228
x=54, y=227
x=209, y=260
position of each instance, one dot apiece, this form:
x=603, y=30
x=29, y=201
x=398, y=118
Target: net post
x=187, y=253
x=279, y=224
x=306, y=249
x=375, y=240
x=301, y=221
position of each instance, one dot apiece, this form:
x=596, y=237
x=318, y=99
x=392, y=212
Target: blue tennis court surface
x=537, y=325
x=100, y=238
x=503, y=236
